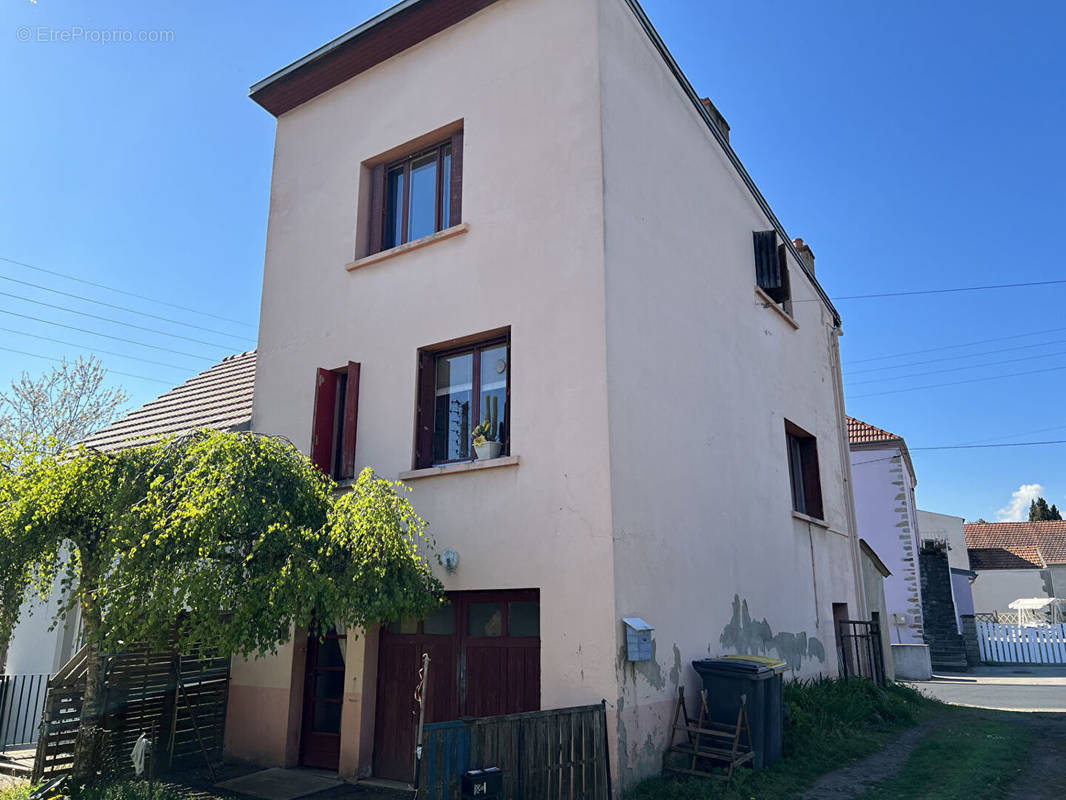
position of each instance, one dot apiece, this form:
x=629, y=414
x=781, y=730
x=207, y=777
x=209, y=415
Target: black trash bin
x=759, y=679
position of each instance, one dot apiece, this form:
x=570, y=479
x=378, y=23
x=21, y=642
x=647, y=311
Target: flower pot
x=488, y=450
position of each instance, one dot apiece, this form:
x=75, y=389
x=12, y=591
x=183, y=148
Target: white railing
x=1022, y=644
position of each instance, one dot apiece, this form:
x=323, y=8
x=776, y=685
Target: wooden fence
x=1022, y=644
x=559, y=754
x=178, y=701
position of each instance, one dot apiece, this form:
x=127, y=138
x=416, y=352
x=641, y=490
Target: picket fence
x=1022, y=644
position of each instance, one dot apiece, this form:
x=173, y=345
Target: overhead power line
x=113, y=372
x=106, y=335
x=948, y=291
x=952, y=346
x=957, y=383
x=126, y=292
x=126, y=309
x=94, y=349
x=113, y=321
x=958, y=356
x=961, y=447
x=941, y=371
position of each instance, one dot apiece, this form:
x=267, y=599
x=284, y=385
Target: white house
x=1016, y=560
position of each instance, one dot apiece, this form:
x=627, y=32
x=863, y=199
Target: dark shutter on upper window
x=349, y=422
x=812, y=479
x=771, y=273
x=323, y=424
x=456, y=199
x=377, y=207
x=426, y=397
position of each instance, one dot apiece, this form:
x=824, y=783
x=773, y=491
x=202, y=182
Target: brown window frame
x=804, y=475
x=335, y=423
x=426, y=408
x=379, y=201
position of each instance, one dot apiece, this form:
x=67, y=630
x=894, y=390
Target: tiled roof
x=219, y=398
x=860, y=432
x=1015, y=545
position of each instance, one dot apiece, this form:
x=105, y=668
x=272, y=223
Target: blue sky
x=913, y=145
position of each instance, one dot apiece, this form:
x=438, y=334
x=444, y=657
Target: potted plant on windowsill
x=486, y=435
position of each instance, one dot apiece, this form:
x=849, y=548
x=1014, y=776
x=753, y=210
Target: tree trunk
x=88, y=753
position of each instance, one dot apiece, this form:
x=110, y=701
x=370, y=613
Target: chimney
x=716, y=115
x=805, y=254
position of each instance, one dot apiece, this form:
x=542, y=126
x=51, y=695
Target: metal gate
x=859, y=650
x=21, y=704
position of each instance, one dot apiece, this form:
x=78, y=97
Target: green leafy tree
x=1040, y=512
x=233, y=540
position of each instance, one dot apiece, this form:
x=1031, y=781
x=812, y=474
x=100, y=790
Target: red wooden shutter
x=322, y=425
x=424, y=428
x=377, y=207
x=350, y=422
x=456, y=212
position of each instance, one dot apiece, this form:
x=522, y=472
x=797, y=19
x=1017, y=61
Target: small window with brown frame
x=417, y=195
x=803, y=471
x=335, y=421
x=464, y=391
x=771, y=269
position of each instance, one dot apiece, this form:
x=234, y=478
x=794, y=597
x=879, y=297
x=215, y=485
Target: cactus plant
x=489, y=428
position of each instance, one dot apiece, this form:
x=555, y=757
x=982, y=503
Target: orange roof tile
x=1015, y=545
x=860, y=432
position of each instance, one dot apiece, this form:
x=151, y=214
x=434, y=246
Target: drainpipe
x=845, y=462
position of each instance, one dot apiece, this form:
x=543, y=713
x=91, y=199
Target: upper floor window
x=464, y=394
x=803, y=471
x=418, y=195
x=771, y=268
x=335, y=420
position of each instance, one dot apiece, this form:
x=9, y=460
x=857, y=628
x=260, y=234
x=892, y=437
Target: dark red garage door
x=484, y=650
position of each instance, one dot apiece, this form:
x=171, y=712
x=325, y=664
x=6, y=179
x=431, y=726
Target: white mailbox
x=638, y=639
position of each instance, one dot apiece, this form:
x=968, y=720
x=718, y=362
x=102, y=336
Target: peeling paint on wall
x=745, y=635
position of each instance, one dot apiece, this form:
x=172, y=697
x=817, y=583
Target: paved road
x=1003, y=688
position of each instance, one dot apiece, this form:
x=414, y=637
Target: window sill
x=392, y=252
x=463, y=466
x=821, y=523
x=767, y=301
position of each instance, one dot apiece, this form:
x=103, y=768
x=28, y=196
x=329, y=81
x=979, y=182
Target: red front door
x=320, y=737
x=484, y=650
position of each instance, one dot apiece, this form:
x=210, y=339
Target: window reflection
x=451, y=433
x=423, y=214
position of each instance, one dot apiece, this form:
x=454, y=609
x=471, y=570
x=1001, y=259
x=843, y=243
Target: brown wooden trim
x=354, y=55
x=456, y=199
x=350, y=422
x=322, y=423
x=424, y=409
x=377, y=207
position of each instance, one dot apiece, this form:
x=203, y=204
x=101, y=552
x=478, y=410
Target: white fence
x=1022, y=644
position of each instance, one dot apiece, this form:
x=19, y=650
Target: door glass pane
x=523, y=619
x=423, y=216
x=494, y=391
x=485, y=619
x=446, y=189
x=441, y=622
x=330, y=684
x=451, y=429
x=327, y=717
x=394, y=208
x=406, y=626
x=330, y=653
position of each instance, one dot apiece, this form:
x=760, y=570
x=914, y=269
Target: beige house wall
x=996, y=589
x=701, y=379
x=648, y=388
x=522, y=77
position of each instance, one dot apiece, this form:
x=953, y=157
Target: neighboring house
x=522, y=209
x=883, y=482
x=949, y=529
x=1016, y=560
x=874, y=573
x=219, y=398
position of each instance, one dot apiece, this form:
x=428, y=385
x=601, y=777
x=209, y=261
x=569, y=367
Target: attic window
x=771, y=269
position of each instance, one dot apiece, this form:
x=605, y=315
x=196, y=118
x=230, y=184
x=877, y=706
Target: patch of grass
x=828, y=723
x=20, y=792
x=119, y=790
x=974, y=759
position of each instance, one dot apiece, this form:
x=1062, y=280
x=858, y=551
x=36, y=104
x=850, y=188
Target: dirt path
x=1044, y=778
x=853, y=780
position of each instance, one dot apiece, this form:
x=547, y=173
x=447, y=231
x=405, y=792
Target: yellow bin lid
x=768, y=661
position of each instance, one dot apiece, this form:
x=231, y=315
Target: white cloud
x=1018, y=508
